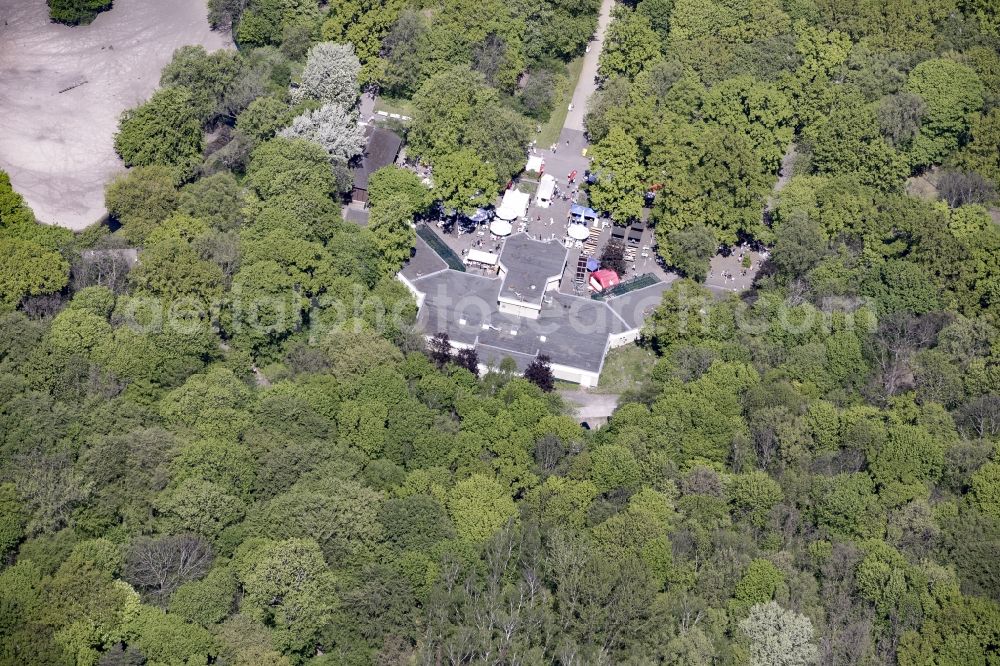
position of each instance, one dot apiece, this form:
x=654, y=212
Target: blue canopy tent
x=593, y=264
x=481, y=215
x=582, y=214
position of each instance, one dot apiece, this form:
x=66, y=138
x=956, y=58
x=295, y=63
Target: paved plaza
x=727, y=274
x=551, y=222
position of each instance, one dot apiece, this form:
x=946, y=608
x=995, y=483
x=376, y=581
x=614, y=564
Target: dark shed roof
x=380, y=151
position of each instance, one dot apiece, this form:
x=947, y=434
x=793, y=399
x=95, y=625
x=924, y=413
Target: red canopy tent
x=603, y=279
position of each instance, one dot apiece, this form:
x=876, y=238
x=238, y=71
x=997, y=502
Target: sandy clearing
x=58, y=147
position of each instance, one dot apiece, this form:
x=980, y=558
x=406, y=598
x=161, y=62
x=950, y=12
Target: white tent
x=513, y=205
x=546, y=188
x=535, y=163
x=578, y=231
x=500, y=227
x=480, y=257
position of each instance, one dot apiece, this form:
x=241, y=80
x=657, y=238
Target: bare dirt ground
x=58, y=146
x=924, y=186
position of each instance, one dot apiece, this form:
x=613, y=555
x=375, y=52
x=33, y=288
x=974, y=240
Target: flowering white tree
x=332, y=127
x=330, y=75
x=779, y=637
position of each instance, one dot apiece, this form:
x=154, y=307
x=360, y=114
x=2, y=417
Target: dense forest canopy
x=239, y=451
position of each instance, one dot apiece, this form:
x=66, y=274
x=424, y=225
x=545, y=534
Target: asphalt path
x=587, y=85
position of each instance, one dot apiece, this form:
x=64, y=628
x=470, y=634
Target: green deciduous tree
x=364, y=25
x=760, y=111
x=77, y=331
x=823, y=53
x=479, y=506
x=201, y=507
x=263, y=117
x=263, y=22
x=614, y=467
x=12, y=519
x=206, y=76
x=390, y=224
x=760, y=582
x=173, y=271
x=76, y=12
x=454, y=110
x=630, y=45
x=753, y=495
x=222, y=462
x=165, y=130
x=499, y=136
x=961, y=630
x=16, y=218
x=288, y=584
x=847, y=505
x=799, y=246
x=415, y=522
x=339, y=514
x=562, y=501
x=619, y=189
x=900, y=116
x=463, y=182
x=986, y=489
x=281, y=165
x=690, y=250
x=211, y=402
x=141, y=199
x=216, y=199
x=848, y=141
x=713, y=175
x=393, y=181
x=952, y=93
x=166, y=638
x=442, y=108
x=29, y=269
x=207, y=601
x=399, y=66
x=981, y=154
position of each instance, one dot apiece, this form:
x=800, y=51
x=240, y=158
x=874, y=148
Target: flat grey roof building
x=423, y=262
x=575, y=332
x=456, y=303
x=571, y=331
x=529, y=266
x=634, y=306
